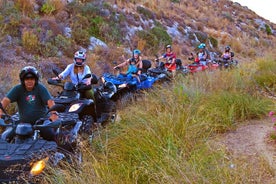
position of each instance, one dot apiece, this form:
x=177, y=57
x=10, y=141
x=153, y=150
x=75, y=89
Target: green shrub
x=25, y=6
x=155, y=38
x=12, y=26
x=95, y=25
x=265, y=75
x=175, y=1
x=213, y=41
x=30, y=41
x=65, y=45
x=48, y=50
x=48, y=8
x=162, y=36
x=81, y=36
x=146, y=12
x=268, y=29
x=201, y=36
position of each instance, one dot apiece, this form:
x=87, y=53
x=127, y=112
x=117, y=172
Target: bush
x=268, y=29
x=265, y=76
x=51, y=7
x=30, y=41
x=155, y=38
x=48, y=50
x=94, y=28
x=201, y=36
x=81, y=37
x=12, y=26
x=213, y=41
x=146, y=12
x=48, y=8
x=25, y=6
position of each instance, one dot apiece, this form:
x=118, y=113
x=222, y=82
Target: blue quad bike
x=116, y=86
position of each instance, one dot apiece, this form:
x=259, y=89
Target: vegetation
x=166, y=136
x=265, y=76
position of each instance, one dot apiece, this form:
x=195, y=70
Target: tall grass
x=265, y=75
x=165, y=136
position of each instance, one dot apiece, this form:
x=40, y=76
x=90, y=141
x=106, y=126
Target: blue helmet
x=201, y=46
x=136, y=51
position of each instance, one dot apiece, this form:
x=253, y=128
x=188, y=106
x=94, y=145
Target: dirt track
x=252, y=140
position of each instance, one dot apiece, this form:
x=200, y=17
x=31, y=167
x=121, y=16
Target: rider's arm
x=161, y=57
x=53, y=114
x=87, y=71
x=122, y=64
x=140, y=66
x=5, y=102
x=66, y=72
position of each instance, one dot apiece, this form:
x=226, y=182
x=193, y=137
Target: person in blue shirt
x=134, y=64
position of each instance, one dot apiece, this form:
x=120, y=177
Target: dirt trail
x=252, y=139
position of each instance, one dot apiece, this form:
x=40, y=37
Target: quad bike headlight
x=122, y=85
x=38, y=166
x=75, y=107
x=103, y=80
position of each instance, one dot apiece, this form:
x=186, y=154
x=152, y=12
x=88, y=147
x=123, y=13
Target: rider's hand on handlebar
x=54, y=116
x=56, y=78
x=1, y=113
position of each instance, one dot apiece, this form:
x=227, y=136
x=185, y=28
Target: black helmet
x=227, y=48
x=29, y=72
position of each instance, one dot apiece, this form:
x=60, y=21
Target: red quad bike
x=198, y=67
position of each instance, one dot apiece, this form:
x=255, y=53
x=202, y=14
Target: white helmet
x=79, y=55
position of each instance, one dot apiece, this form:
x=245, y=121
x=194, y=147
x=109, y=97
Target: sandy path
x=252, y=140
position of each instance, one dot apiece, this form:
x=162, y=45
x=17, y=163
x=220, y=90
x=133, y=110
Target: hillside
x=50, y=31
x=204, y=128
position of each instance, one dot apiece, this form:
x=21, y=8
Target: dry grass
x=163, y=137
x=25, y=6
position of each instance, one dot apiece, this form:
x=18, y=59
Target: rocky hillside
x=46, y=32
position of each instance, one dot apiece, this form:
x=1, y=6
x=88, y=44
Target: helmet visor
x=29, y=75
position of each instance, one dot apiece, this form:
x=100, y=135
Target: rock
x=94, y=42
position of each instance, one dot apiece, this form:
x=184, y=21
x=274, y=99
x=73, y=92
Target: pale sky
x=264, y=8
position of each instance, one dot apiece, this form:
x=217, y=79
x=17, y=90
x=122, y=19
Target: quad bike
x=161, y=71
x=24, y=155
x=116, y=86
x=100, y=110
x=196, y=66
x=227, y=63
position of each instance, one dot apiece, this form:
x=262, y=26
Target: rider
x=202, y=54
x=77, y=71
x=170, y=57
x=135, y=64
x=32, y=99
x=227, y=55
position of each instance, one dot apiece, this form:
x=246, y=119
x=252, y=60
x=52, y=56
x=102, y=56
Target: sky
x=264, y=8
